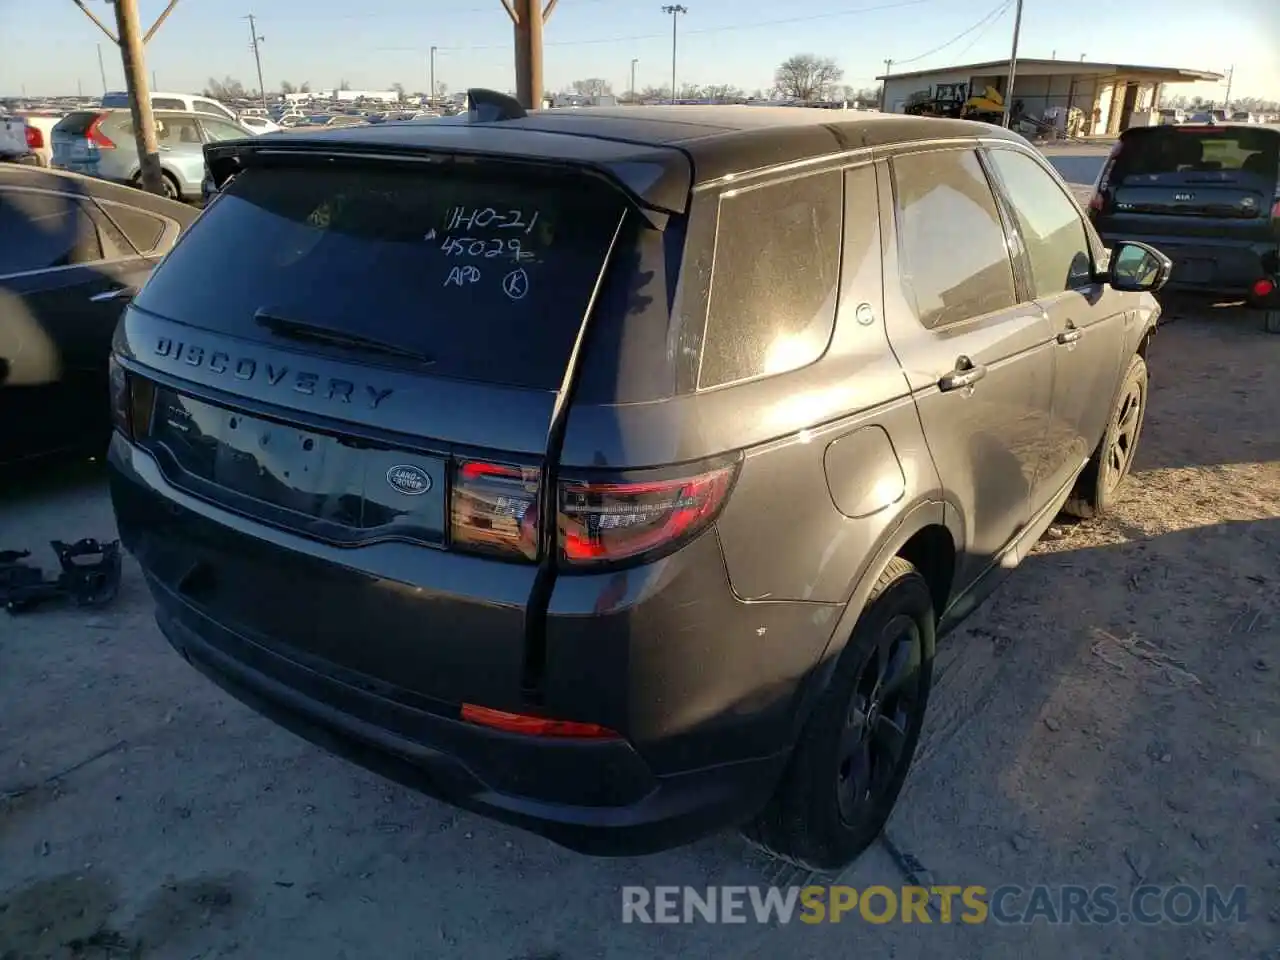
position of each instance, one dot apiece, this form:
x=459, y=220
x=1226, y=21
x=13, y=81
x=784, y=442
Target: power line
x=983, y=32
x=991, y=16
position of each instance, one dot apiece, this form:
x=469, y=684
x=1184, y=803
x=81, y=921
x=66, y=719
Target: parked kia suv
x=614, y=472
x=1208, y=195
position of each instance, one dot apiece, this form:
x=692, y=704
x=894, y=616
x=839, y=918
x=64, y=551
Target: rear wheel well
x=932, y=552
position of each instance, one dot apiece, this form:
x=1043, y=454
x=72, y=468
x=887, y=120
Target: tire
x=170, y=183
x=815, y=818
x=1271, y=320
x=1096, y=487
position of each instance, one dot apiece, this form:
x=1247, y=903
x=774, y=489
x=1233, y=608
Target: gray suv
x=614, y=472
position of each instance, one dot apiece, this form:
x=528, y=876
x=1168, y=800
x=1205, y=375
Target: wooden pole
x=135, y=78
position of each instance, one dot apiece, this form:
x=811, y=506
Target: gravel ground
x=1109, y=717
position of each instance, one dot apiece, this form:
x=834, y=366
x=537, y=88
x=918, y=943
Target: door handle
x=116, y=293
x=1069, y=335
x=966, y=374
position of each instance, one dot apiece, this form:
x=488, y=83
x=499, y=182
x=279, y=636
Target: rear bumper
x=707, y=733
x=1226, y=268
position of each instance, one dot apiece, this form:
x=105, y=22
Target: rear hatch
x=1202, y=182
x=72, y=141
x=370, y=355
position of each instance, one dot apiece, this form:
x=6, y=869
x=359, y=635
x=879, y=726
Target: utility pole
x=1013, y=64
x=634, y=61
x=128, y=36
x=431, y=92
x=254, y=40
x=884, y=87
x=1231, y=75
x=529, y=17
x=154, y=85
x=674, y=10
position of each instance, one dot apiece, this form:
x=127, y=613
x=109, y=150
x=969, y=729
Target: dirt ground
x=1110, y=716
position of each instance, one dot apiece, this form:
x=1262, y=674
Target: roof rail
x=490, y=106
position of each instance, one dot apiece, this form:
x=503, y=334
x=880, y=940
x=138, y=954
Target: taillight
x=600, y=523
x=495, y=509
x=1098, y=202
x=1263, y=288
x=93, y=133
x=534, y=726
x=35, y=138
x=131, y=401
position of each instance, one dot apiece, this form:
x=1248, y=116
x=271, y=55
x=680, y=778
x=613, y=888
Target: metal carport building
x=1113, y=96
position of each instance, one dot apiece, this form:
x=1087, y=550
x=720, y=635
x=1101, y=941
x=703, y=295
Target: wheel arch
x=928, y=535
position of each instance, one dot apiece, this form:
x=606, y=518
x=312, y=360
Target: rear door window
x=1051, y=226
x=212, y=109
x=167, y=103
x=142, y=229
x=39, y=231
x=489, y=272
x=216, y=130
x=76, y=124
x=773, y=285
x=952, y=248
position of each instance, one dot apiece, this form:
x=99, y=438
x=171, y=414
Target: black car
x=613, y=471
x=1208, y=196
x=72, y=251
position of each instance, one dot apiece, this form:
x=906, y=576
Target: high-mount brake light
x=602, y=523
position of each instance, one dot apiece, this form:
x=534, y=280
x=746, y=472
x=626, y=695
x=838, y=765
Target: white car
x=259, y=124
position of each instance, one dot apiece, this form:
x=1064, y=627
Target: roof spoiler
x=490, y=106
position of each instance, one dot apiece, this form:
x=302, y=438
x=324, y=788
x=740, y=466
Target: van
x=186, y=102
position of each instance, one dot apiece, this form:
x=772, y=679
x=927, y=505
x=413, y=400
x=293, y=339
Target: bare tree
x=807, y=77
x=343, y=85
x=592, y=87
x=228, y=88
x=399, y=89
x=690, y=91
x=286, y=87
x=305, y=87
x=442, y=90
x=722, y=92
x=654, y=93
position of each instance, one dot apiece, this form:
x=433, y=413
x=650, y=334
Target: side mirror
x=1138, y=267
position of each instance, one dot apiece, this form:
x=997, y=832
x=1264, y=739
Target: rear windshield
x=75, y=124
x=488, y=273
x=115, y=100
x=1228, y=151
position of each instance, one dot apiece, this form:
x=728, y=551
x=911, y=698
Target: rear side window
x=76, y=124
x=1226, y=153
x=954, y=261
x=489, y=273
x=212, y=109
x=773, y=283
x=142, y=229
x=219, y=130
x=43, y=230
x=167, y=103
x=1051, y=226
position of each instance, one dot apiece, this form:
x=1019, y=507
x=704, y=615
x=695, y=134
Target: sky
x=50, y=46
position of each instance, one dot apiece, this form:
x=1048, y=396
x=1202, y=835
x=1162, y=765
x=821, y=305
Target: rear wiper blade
x=318, y=333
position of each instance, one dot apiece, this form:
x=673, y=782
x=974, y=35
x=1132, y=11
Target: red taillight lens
x=606, y=522
x=534, y=726
x=93, y=133
x=495, y=509
x=1264, y=287
x=35, y=137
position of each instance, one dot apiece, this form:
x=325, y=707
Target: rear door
x=977, y=352
x=61, y=265
x=1193, y=182
x=1087, y=319
x=71, y=147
